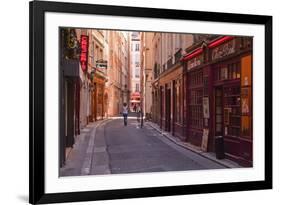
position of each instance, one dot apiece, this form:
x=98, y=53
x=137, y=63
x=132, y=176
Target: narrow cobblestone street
x=192, y=92
x=130, y=149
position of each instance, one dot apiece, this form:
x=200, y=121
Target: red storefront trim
x=220, y=41
x=193, y=54
x=213, y=44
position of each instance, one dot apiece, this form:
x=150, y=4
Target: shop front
x=98, y=96
x=135, y=101
x=219, y=96
x=232, y=86
x=69, y=91
x=171, y=100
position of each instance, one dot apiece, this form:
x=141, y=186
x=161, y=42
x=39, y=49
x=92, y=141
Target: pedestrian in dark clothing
x=125, y=113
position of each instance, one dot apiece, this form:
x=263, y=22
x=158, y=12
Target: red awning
x=193, y=54
x=213, y=44
x=220, y=41
x=135, y=94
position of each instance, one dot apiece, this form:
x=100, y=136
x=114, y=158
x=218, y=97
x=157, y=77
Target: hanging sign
x=84, y=44
x=102, y=64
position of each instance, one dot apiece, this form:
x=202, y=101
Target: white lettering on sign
x=223, y=50
x=196, y=61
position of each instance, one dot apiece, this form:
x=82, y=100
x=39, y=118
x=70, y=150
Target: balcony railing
x=170, y=63
x=178, y=55
x=155, y=71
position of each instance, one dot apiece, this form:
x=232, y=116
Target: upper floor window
x=137, y=47
x=137, y=87
x=137, y=73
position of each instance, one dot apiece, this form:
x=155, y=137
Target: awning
x=192, y=54
x=220, y=41
x=213, y=44
x=135, y=94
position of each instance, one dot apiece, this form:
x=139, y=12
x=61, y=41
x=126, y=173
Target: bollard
x=219, y=147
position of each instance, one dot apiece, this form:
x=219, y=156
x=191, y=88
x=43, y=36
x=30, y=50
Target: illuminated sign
x=84, y=44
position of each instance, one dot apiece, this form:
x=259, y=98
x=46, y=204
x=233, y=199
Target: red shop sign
x=84, y=44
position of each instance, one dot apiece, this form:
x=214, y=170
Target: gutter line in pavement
x=199, y=152
x=86, y=167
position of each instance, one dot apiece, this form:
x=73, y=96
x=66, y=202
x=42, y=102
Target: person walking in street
x=125, y=113
x=139, y=116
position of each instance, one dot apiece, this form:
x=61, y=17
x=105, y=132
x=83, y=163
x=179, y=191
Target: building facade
x=202, y=90
x=146, y=73
x=168, y=86
x=135, y=71
x=219, y=100
x=98, y=74
x=69, y=90
x=85, y=94
x=118, y=89
x=125, y=67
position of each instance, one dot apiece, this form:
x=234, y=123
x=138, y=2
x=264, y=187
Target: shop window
x=196, y=78
x=246, y=112
x=232, y=111
x=234, y=70
x=196, y=108
x=223, y=73
x=230, y=71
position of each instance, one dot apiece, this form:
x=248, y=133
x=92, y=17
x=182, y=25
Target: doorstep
x=67, y=151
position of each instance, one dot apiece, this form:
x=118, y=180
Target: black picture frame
x=37, y=9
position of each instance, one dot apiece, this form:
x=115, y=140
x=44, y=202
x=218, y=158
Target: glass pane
x=238, y=71
x=230, y=70
x=218, y=128
x=224, y=73
x=218, y=119
x=218, y=110
x=218, y=92
x=218, y=101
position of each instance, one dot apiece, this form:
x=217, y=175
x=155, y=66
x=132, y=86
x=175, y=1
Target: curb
x=98, y=168
x=197, y=151
x=86, y=167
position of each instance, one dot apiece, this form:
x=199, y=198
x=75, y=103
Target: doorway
x=168, y=110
